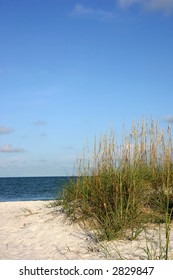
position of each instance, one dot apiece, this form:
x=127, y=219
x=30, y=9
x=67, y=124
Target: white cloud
x=7, y=148
x=5, y=130
x=81, y=10
x=39, y=122
x=165, y=6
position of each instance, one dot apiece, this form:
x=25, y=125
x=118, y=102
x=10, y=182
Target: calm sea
x=31, y=188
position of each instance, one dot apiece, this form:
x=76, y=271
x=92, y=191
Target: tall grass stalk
x=126, y=184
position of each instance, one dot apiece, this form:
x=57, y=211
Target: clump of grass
x=124, y=186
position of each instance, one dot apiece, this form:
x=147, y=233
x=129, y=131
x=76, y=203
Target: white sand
x=32, y=230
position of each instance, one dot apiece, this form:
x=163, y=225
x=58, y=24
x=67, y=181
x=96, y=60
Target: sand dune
x=34, y=230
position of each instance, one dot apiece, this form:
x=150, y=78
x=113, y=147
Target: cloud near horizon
x=5, y=130
x=39, y=122
x=7, y=148
x=43, y=134
x=165, y=6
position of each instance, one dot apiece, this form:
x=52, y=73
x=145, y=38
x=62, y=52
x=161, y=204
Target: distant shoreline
x=11, y=201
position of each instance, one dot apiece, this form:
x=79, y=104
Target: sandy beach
x=32, y=230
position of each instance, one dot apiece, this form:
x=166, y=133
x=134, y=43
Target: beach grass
x=124, y=185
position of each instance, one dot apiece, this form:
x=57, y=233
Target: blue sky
x=71, y=69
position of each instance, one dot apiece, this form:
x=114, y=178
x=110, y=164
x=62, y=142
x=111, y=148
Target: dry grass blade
x=127, y=185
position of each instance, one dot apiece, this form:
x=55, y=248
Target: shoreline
x=33, y=230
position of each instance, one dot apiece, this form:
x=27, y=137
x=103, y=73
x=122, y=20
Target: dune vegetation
x=126, y=184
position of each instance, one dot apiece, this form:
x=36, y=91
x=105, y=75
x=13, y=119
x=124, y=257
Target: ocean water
x=31, y=188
